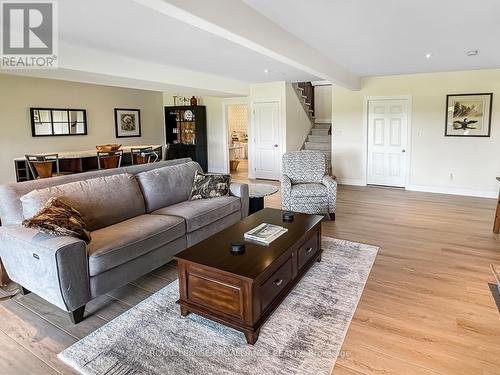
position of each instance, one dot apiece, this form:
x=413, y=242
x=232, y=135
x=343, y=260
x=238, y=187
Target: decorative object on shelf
x=108, y=147
x=188, y=115
x=127, y=122
x=49, y=122
x=468, y=115
x=194, y=101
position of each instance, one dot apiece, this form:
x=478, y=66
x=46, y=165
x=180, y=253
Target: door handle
x=275, y=145
x=278, y=282
x=403, y=150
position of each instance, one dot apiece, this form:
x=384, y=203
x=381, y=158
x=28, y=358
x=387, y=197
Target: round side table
x=257, y=192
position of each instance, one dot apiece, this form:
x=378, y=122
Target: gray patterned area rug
x=303, y=336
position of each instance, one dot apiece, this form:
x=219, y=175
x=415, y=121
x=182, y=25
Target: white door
x=267, y=136
x=387, y=138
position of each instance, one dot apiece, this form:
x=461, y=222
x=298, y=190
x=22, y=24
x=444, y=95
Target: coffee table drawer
x=307, y=250
x=275, y=284
x=216, y=294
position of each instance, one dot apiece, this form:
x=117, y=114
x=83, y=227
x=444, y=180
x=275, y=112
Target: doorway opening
x=237, y=126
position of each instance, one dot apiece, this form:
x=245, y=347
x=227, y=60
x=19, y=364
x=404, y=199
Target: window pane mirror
x=56, y=121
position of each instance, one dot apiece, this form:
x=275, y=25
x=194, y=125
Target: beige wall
x=18, y=94
x=323, y=103
x=473, y=162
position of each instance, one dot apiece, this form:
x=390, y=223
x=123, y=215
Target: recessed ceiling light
x=266, y=71
x=428, y=55
x=472, y=52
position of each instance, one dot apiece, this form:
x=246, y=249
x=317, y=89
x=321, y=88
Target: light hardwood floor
x=427, y=307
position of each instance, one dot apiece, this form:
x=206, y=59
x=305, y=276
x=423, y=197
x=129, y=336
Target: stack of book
x=265, y=233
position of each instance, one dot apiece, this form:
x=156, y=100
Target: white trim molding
x=453, y=191
x=351, y=181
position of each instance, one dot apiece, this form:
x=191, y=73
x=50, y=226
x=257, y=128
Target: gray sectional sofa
x=139, y=218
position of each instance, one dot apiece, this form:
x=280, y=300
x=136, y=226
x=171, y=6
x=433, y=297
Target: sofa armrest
x=241, y=191
x=331, y=186
x=53, y=267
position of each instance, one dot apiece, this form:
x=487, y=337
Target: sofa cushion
x=102, y=201
x=122, y=242
x=308, y=190
x=168, y=185
x=202, y=212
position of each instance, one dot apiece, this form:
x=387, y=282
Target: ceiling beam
x=88, y=65
x=237, y=22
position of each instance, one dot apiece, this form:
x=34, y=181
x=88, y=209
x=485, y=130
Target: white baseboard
x=428, y=189
x=454, y=191
x=351, y=181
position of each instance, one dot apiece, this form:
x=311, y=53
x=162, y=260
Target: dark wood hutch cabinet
x=186, y=133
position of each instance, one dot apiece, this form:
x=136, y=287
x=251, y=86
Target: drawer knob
x=309, y=249
x=278, y=282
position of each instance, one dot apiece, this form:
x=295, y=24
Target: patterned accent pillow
x=59, y=219
x=210, y=185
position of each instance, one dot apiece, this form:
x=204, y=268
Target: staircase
x=319, y=137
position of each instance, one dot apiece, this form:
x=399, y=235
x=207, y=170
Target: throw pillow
x=210, y=185
x=59, y=219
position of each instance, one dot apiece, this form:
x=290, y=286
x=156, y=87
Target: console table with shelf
x=78, y=161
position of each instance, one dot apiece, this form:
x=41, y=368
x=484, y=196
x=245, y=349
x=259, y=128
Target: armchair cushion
x=304, y=166
x=309, y=190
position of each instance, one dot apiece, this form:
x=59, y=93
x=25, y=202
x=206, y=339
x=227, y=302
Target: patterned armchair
x=305, y=186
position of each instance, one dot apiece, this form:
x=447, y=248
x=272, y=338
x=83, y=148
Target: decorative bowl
x=108, y=148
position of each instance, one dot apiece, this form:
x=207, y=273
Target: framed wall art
x=468, y=115
x=127, y=122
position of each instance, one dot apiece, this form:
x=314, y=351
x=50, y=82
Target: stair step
x=322, y=146
x=319, y=138
x=322, y=126
x=323, y=132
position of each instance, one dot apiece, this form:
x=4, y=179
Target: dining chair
x=42, y=166
x=144, y=155
x=109, y=159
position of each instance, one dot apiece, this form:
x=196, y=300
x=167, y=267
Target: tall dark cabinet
x=186, y=133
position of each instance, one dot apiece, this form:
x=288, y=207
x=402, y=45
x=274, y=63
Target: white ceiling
x=221, y=46
x=384, y=37
x=127, y=28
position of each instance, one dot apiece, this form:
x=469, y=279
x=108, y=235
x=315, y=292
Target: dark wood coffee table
x=242, y=291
